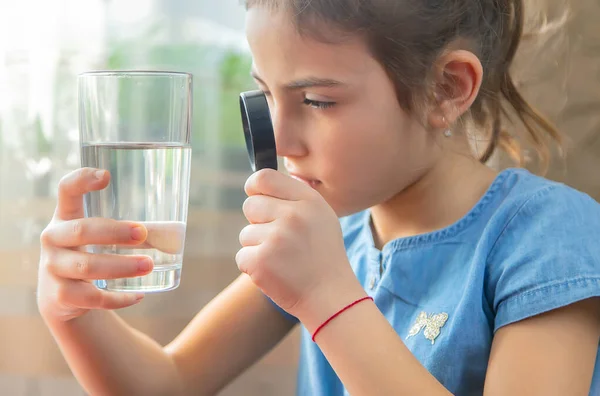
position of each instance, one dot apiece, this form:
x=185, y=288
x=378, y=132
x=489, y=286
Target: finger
x=73, y=186
x=94, y=231
x=276, y=184
x=264, y=209
x=168, y=237
x=255, y=234
x=72, y=264
x=85, y=295
x=246, y=259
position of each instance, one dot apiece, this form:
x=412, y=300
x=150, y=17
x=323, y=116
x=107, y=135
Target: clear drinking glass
x=136, y=125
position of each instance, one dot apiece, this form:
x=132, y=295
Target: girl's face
x=337, y=122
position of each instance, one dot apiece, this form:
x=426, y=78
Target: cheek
x=358, y=152
x=361, y=142
x=367, y=157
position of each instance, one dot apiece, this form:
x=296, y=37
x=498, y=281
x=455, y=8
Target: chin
x=345, y=209
x=342, y=206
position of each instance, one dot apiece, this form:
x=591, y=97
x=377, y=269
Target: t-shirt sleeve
x=546, y=257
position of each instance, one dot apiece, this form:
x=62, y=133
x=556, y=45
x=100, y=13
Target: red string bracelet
x=339, y=313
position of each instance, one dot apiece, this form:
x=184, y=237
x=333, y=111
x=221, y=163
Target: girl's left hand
x=293, y=248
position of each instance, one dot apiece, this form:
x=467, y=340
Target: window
x=43, y=46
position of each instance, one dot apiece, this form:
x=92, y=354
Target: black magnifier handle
x=258, y=130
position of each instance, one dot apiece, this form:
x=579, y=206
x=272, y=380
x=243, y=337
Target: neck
x=439, y=198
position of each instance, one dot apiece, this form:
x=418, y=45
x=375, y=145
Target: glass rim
x=119, y=73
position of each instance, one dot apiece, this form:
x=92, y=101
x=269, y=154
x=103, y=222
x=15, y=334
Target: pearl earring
x=447, y=132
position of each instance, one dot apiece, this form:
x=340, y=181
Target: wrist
x=328, y=301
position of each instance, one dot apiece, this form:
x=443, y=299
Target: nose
x=288, y=132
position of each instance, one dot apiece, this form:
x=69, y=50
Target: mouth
x=310, y=182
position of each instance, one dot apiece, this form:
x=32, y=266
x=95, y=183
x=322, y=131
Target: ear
x=458, y=76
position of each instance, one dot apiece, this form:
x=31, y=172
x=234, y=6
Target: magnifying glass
x=258, y=130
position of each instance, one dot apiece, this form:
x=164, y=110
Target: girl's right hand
x=65, y=290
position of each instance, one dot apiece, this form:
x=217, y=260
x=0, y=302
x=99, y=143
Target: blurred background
x=44, y=44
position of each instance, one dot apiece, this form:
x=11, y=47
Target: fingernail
x=144, y=265
x=139, y=296
x=99, y=174
x=138, y=234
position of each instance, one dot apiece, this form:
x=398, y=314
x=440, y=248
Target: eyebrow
x=308, y=82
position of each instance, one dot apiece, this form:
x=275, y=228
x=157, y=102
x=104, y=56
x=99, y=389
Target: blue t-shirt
x=529, y=245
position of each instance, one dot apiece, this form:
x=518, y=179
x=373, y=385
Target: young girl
x=444, y=276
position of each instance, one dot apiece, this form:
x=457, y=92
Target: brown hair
x=408, y=36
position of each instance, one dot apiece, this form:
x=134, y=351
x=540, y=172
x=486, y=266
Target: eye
x=315, y=104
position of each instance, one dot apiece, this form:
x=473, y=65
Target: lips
x=310, y=182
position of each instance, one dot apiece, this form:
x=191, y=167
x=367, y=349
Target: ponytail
x=537, y=128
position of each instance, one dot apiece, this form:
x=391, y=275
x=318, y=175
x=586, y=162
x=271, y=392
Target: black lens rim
x=258, y=130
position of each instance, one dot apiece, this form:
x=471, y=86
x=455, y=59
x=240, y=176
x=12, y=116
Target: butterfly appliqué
x=432, y=323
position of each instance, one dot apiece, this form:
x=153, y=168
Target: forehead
x=281, y=53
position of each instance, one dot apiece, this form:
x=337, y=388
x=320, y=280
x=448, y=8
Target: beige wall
x=562, y=78
x=30, y=363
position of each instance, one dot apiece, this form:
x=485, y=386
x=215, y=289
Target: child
x=444, y=277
